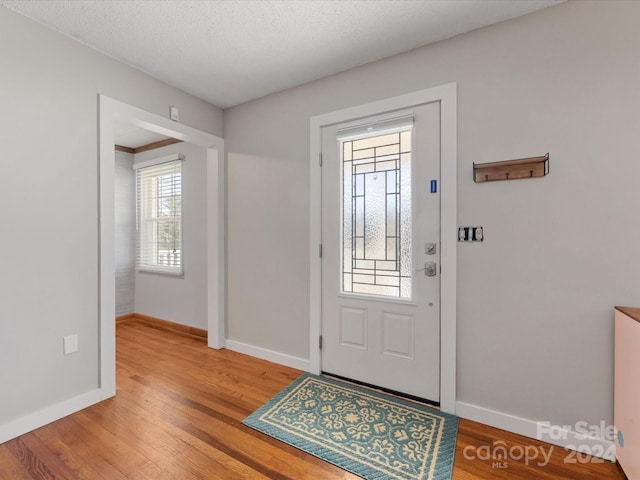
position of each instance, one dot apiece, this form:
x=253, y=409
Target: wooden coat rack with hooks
x=511, y=169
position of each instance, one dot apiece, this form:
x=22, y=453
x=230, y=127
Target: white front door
x=381, y=251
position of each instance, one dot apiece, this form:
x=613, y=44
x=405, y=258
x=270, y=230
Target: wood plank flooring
x=177, y=415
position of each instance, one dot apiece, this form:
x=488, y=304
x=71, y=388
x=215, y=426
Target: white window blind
x=159, y=215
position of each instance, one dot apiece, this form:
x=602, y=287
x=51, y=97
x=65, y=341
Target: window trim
x=175, y=271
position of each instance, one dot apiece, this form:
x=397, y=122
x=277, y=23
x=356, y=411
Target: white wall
x=535, y=300
x=181, y=299
x=125, y=230
x=49, y=278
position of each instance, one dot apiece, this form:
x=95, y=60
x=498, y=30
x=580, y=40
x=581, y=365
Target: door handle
x=430, y=269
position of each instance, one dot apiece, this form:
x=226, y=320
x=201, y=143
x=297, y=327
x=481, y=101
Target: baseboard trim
x=159, y=323
x=553, y=434
x=50, y=414
x=269, y=355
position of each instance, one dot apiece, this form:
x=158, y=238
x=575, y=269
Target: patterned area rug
x=369, y=434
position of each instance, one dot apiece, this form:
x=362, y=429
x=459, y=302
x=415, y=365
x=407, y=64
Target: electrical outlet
x=70, y=344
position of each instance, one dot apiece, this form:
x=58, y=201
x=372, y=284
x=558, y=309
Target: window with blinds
x=159, y=215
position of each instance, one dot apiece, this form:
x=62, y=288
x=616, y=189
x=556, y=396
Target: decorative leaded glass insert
x=376, y=193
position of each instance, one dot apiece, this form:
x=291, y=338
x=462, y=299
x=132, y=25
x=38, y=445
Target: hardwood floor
x=177, y=415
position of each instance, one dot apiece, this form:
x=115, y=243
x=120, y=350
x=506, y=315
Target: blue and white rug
x=370, y=434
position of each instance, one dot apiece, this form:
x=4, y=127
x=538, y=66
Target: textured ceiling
x=230, y=51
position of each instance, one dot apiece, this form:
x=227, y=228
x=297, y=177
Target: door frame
x=111, y=111
x=446, y=95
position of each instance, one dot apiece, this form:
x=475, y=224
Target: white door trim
x=447, y=96
x=111, y=111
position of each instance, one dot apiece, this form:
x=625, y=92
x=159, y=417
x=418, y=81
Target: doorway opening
x=113, y=112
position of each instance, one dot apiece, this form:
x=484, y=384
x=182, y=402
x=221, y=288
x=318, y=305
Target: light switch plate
x=471, y=234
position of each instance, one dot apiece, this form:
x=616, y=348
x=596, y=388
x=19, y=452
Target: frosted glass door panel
x=376, y=239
